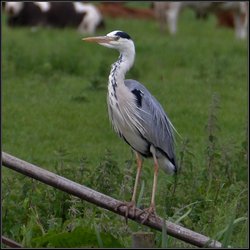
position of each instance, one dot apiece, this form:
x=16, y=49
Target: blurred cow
x=24, y=14
x=85, y=17
x=168, y=12
x=120, y=10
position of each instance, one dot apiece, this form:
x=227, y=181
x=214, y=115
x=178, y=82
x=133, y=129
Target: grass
x=55, y=115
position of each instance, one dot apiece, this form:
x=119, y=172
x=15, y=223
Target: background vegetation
x=54, y=115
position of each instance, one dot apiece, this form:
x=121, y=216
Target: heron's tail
x=168, y=166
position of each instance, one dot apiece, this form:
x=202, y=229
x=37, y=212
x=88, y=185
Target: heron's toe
x=128, y=206
x=149, y=212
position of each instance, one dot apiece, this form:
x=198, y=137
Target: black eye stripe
x=122, y=35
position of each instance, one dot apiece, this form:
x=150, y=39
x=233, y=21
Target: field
x=54, y=114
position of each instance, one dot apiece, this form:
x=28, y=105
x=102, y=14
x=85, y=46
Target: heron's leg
x=138, y=174
x=132, y=203
x=151, y=209
x=156, y=170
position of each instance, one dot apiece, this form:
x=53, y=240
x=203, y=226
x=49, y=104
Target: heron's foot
x=150, y=212
x=129, y=206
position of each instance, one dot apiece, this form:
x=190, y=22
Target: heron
x=137, y=117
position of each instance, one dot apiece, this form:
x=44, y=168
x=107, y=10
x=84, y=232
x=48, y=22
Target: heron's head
x=115, y=40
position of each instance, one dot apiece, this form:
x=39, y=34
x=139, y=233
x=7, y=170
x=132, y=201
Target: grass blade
x=222, y=232
x=183, y=216
x=140, y=194
x=98, y=236
x=164, y=235
x=228, y=233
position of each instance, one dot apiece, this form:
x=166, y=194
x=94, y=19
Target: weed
x=107, y=175
x=212, y=144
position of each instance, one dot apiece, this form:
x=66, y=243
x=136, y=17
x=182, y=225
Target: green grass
x=54, y=115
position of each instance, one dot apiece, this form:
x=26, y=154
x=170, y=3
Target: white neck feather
x=121, y=67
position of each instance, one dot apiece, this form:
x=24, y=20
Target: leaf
x=79, y=237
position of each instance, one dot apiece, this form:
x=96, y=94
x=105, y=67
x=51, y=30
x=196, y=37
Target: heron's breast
x=125, y=119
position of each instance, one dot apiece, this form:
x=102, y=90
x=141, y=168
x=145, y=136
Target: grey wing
x=157, y=128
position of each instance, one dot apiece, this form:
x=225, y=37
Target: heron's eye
x=117, y=38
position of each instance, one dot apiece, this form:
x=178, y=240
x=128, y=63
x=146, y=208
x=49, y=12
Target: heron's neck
x=120, y=68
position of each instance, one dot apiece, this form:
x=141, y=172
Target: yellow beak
x=98, y=39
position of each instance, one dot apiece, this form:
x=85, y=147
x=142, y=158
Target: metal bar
x=104, y=201
x=10, y=243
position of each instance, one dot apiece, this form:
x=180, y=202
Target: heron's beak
x=99, y=39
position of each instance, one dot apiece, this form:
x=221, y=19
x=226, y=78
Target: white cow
x=92, y=17
x=169, y=12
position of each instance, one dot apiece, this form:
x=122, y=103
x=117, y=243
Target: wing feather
x=157, y=128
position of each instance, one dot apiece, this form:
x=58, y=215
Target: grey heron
x=137, y=116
